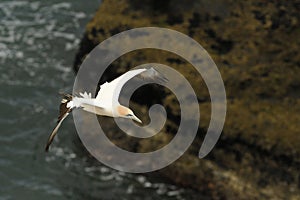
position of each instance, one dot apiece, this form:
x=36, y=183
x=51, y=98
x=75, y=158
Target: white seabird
x=106, y=102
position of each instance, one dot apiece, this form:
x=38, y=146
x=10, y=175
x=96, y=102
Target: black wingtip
x=49, y=141
x=160, y=76
x=163, y=78
x=47, y=148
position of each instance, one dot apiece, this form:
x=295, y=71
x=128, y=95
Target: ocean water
x=38, y=42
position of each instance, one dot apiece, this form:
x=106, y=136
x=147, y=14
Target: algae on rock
x=256, y=47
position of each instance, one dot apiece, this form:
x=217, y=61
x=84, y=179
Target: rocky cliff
x=256, y=47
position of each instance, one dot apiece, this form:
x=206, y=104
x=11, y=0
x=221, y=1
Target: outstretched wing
x=54, y=132
x=64, y=111
x=109, y=92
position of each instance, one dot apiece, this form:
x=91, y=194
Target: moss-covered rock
x=256, y=47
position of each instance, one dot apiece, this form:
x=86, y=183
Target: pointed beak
x=135, y=118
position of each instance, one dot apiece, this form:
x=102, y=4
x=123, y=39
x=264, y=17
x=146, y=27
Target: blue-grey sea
x=38, y=43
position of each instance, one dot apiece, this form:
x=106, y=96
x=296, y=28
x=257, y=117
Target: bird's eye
x=129, y=115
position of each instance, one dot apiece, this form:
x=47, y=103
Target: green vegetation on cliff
x=256, y=47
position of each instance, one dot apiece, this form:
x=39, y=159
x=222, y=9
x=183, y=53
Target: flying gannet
x=103, y=103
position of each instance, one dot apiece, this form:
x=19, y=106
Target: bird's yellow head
x=125, y=112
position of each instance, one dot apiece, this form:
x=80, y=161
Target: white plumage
x=106, y=102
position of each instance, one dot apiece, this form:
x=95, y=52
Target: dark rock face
x=256, y=47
